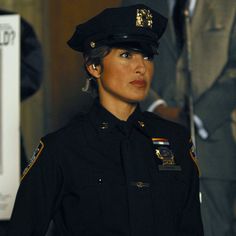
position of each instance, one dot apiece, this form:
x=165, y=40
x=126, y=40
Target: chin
x=136, y=99
x=140, y=97
x=133, y=97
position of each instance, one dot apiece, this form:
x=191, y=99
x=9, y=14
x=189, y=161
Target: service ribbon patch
x=33, y=159
x=160, y=141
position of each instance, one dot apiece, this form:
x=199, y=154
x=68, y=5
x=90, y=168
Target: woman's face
x=126, y=76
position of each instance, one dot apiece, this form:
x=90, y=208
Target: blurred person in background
x=31, y=66
x=31, y=75
x=213, y=59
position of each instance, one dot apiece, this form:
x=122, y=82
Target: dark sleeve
x=221, y=97
x=191, y=222
x=38, y=195
x=31, y=61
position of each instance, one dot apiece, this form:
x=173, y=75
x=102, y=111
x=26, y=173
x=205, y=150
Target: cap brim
x=142, y=47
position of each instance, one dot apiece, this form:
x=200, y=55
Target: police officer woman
x=114, y=170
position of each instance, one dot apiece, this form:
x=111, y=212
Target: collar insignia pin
x=141, y=123
x=104, y=125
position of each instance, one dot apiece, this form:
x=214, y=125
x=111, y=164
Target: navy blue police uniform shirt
x=103, y=176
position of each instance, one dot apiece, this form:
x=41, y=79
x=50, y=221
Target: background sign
x=9, y=112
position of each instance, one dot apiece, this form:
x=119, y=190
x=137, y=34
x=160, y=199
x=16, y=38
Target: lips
x=139, y=83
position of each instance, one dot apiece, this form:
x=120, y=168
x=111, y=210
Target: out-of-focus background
x=60, y=96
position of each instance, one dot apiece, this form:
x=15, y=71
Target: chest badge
x=165, y=154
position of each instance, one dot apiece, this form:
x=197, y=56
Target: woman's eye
x=125, y=54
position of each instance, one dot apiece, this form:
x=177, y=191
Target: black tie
x=179, y=24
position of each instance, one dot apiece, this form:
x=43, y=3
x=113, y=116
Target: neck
x=121, y=110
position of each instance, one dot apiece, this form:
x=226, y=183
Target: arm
x=221, y=97
x=154, y=103
x=190, y=222
x=38, y=196
x=31, y=61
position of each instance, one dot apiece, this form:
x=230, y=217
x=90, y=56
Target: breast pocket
x=82, y=207
x=170, y=191
x=99, y=199
x=112, y=192
x=215, y=22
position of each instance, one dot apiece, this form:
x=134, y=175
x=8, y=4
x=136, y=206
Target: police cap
x=132, y=24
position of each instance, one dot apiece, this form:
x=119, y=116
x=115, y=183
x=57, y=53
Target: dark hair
x=94, y=56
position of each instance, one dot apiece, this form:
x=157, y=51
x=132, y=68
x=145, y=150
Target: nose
x=140, y=64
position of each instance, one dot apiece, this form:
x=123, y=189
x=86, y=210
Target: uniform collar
x=106, y=122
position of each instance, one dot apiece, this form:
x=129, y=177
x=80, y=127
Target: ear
x=95, y=71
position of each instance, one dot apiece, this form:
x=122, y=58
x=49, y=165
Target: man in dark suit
x=213, y=33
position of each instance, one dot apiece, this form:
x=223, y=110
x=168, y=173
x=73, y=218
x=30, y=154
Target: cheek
x=115, y=74
x=109, y=74
x=150, y=72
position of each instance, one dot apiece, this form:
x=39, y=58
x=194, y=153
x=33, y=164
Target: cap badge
x=144, y=18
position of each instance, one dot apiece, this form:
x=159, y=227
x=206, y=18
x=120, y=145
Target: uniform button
x=100, y=181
